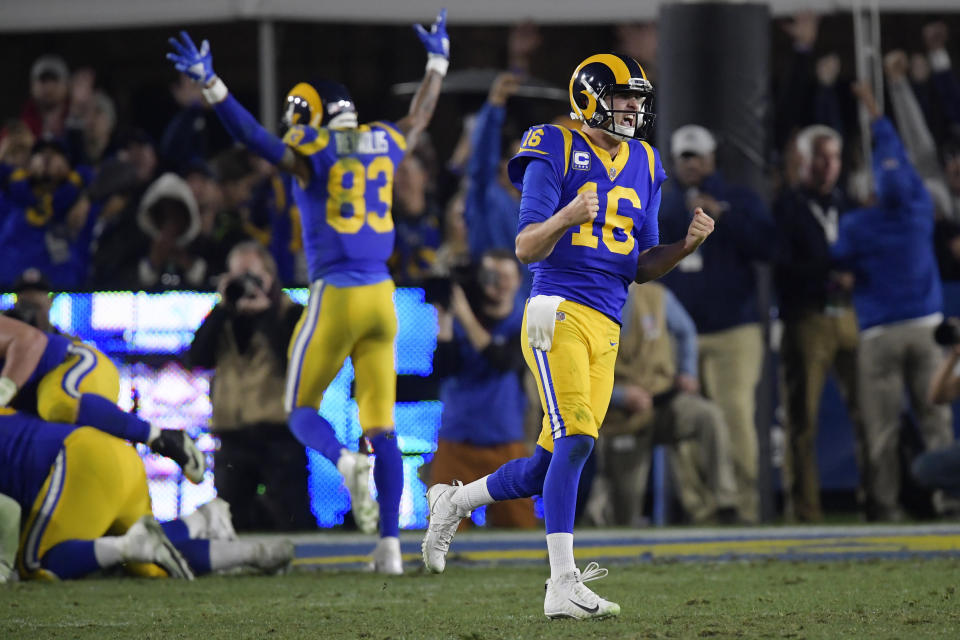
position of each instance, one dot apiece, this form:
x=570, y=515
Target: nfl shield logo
x=612, y=172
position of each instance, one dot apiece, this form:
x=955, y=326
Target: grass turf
x=856, y=599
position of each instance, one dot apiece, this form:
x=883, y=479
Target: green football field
x=909, y=598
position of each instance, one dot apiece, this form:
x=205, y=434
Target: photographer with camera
x=480, y=361
x=259, y=468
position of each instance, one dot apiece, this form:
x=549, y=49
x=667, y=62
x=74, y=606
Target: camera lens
x=234, y=290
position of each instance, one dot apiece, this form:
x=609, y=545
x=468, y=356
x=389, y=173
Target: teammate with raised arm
x=344, y=181
x=588, y=227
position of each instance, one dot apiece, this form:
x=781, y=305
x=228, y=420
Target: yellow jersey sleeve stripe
x=567, y=146
x=398, y=137
x=650, y=159
x=294, y=138
x=543, y=153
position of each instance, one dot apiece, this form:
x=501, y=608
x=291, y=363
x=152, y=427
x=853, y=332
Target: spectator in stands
x=416, y=216
x=120, y=185
x=945, y=83
x=91, y=121
x=275, y=218
x=45, y=112
x=492, y=204
x=168, y=216
x=49, y=222
x=479, y=358
x=34, y=301
x=455, y=250
x=193, y=132
x=898, y=300
x=921, y=148
x=656, y=401
x=819, y=324
x=717, y=286
x=233, y=222
x=244, y=340
x=16, y=143
x=809, y=92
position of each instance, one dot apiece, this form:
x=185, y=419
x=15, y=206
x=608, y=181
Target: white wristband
x=215, y=92
x=8, y=389
x=436, y=62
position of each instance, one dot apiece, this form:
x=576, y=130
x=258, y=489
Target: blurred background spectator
x=261, y=469
x=897, y=295
x=717, y=285
x=656, y=402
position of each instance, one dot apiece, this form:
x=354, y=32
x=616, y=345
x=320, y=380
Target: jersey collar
x=614, y=166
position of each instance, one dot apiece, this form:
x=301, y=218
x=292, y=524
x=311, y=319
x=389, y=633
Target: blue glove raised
x=196, y=64
x=435, y=40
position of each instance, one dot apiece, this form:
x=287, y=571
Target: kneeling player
x=50, y=376
x=86, y=506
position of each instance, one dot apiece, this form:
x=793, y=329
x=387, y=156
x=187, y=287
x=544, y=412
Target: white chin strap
x=345, y=120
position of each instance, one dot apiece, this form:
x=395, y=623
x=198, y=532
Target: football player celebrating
x=344, y=181
x=64, y=380
x=588, y=227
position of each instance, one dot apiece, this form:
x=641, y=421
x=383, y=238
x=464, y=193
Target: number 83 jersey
x=345, y=209
x=592, y=264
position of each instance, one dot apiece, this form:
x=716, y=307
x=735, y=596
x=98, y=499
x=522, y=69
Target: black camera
x=437, y=290
x=244, y=286
x=947, y=333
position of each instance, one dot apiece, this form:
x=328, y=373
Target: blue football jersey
x=593, y=264
x=28, y=448
x=345, y=209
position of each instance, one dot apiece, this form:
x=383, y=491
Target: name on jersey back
x=361, y=142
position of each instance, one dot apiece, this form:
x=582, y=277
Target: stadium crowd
x=858, y=253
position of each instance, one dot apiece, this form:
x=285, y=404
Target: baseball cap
x=49, y=65
x=31, y=279
x=692, y=138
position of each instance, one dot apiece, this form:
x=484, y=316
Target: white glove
x=541, y=318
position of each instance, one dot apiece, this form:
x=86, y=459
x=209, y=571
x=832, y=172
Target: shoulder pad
x=545, y=141
x=306, y=139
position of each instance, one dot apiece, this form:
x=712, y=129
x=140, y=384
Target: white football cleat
x=145, y=541
x=354, y=466
x=445, y=517
x=217, y=519
x=387, y=558
x=568, y=597
x=274, y=556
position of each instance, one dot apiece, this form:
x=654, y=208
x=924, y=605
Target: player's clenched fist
x=700, y=227
x=582, y=209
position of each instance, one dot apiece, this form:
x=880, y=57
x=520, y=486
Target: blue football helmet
x=596, y=80
x=320, y=104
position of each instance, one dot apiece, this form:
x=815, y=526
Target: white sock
x=560, y=550
x=228, y=554
x=473, y=495
x=108, y=551
x=154, y=434
x=196, y=525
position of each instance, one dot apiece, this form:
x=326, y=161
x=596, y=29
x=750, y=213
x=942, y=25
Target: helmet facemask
x=605, y=116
